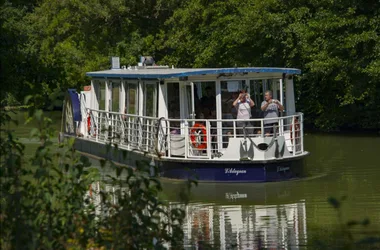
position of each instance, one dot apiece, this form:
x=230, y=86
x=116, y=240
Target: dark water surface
x=282, y=215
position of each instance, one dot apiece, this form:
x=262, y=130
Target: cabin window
x=284, y=99
x=230, y=91
x=272, y=85
x=102, y=96
x=115, y=96
x=257, y=95
x=173, y=100
x=132, y=99
x=189, y=101
x=150, y=102
x=205, y=100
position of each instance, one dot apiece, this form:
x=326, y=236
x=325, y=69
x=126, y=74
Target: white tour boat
x=183, y=120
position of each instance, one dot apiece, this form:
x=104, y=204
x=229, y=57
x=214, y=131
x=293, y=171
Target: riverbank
x=344, y=132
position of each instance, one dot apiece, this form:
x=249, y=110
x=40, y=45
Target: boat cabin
x=189, y=113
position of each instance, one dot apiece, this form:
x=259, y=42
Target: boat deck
x=196, y=139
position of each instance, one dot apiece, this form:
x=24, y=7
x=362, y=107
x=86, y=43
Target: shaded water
x=284, y=215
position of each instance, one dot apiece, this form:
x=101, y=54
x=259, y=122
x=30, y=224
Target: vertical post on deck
x=169, y=140
x=139, y=135
x=301, y=132
x=128, y=132
x=147, y=134
x=219, y=116
x=107, y=95
x=294, y=135
x=110, y=128
x=93, y=96
x=234, y=124
x=122, y=120
x=99, y=127
x=208, y=139
x=141, y=94
x=192, y=101
x=262, y=127
x=121, y=96
x=281, y=91
x=186, y=139
x=281, y=122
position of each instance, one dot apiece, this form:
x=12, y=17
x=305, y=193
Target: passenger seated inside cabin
x=232, y=114
x=175, y=127
x=229, y=113
x=203, y=113
x=209, y=99
x=271, y=107
x=243, y=105
x=213, y=129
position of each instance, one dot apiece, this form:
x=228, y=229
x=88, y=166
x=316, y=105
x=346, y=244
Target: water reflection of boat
x=241, y=193
x=227, y=216
x=231, y=223
x=246, y=227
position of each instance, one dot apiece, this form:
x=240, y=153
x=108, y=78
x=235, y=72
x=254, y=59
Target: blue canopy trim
x=176, y=73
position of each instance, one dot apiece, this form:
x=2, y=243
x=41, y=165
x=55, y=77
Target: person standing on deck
x=243, y=106
x=270, y=107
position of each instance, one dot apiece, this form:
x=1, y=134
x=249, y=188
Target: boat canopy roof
x=165, y=73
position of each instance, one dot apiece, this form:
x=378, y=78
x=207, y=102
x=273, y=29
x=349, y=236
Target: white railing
x=131, y=131
x=189, y=138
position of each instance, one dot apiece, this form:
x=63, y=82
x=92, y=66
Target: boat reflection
x=245, y=227
x=243, y=216
x=237, y=216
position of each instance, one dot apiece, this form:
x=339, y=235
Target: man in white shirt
x=243, y=106
x=270, y=107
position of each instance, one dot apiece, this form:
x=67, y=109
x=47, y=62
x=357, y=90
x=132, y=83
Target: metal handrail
x=154, y=135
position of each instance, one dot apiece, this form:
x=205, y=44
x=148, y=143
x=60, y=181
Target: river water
x=281, y=215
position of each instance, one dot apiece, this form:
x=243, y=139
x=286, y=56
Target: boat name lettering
x=234, y=171
x=233, y=196
x=279, y=169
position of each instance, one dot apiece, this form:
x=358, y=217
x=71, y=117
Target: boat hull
x=242, y=171
x=207, y=170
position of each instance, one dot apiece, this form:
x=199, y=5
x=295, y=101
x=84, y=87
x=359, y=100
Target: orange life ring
x=88, y=124
x=198, y=136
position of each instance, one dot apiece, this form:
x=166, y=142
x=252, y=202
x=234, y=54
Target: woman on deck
x=270, y=107
x=243, y=105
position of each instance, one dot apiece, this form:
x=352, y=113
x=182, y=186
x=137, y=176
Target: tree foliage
x=47, y=202
x=50, y=45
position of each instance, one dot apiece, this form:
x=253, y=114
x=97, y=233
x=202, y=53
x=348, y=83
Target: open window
x=115, y=96
x=205, y=100
x=257, y=93
x=132, y=99
x=173, y=102
x=101, y=95
x=150, y=99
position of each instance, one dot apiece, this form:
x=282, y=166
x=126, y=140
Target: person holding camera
x=243, y=105
x=270, y=107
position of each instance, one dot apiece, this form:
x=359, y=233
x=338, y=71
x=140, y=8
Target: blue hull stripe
x=234, y=172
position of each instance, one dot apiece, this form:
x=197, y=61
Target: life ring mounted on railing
x=198, y=136
x=88, y=123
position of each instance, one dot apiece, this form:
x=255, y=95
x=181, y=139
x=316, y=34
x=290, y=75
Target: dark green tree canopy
x=49, y=45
